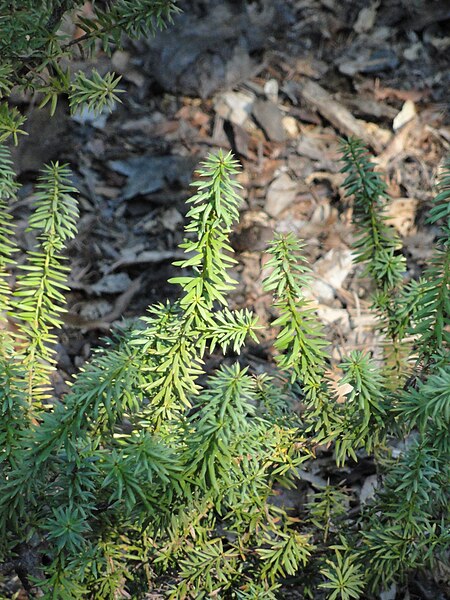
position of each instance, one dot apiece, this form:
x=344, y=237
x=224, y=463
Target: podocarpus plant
x=143, y=478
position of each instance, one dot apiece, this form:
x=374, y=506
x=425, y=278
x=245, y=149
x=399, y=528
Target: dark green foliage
x=142, y=477
x=345, y=579
x=377, y=242
x=407, y=524
x=329, y=505
x=432, y=315
x=35, y=50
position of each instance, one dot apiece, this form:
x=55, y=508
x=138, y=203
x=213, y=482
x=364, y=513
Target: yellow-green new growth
x=38, y=300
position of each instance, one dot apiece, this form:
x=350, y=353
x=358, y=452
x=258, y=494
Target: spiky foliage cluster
x=140, y=471
x=432, y=311
x=407, y=525
x=35, y=50
x=34, y=308
x=300, y=339
x=377, y=244
x=8, y=188
x=153, y=473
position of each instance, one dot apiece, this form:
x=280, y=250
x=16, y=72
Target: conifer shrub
x=153, y=473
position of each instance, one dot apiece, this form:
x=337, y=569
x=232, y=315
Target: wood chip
x=407, y=113
x=269, y=118
x=280, y=195
x=336, y=114
x=366, y=18
x=148, y=256
x=397, y=144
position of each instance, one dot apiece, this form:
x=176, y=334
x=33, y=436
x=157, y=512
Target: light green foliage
x=378, y=246
x=361, y=420
x=214, y=211
x=192, y=324
x=35, y=50
x=38, y=298
x=300, y=338
x=153, y=472
x=8, y=188
x=211, y=455
x=300, y=341
x=284, y=554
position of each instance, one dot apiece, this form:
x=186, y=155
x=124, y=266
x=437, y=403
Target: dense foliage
x=154, y=473
x=40, y=38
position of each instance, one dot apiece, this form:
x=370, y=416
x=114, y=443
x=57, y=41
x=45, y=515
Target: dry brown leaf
x=397, y=144
x=401, y=213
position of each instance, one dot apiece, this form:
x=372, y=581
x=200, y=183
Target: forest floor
x=277, y=83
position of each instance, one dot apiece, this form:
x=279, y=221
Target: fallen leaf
x=291, y=127
x=396, y=145
x=147, y=256
x=315, y=480
x=171, y=219
x=390, y=593
x=271, y=90
x=383, y=136
x=401, y=213
x=340, y=390
x=148, y=174
x=413, y=52
x=332, y=269
x=330, y=315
